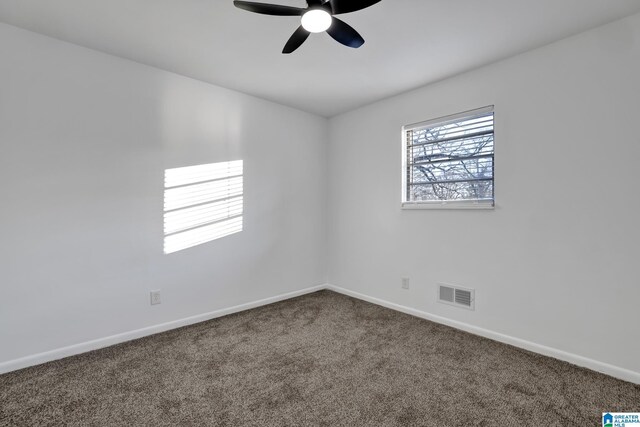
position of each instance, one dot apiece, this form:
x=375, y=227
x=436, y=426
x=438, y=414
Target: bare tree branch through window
x=451, y=160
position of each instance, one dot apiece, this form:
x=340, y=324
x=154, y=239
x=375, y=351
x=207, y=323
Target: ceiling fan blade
x=298, y=37
x=347, y=6
x=268, y=9
x=345, y=34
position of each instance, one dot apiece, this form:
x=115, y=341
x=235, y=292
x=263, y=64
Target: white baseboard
x=96, y=344
x=605, y=368
x=36, y=359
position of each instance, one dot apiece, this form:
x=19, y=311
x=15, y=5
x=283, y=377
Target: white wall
x=84, y=141
x=85, y=138
x=556, y=262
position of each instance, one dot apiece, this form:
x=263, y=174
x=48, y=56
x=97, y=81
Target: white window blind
x=450, y=161
x=202, y=203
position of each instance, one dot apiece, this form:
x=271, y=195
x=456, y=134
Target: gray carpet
x=319, y=360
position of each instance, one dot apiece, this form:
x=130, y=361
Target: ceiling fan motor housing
x=316, y=18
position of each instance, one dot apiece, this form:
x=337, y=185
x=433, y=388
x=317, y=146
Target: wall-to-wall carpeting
x=321, y=359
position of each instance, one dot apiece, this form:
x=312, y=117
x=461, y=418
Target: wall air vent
x=446, y=294
x=457, y=296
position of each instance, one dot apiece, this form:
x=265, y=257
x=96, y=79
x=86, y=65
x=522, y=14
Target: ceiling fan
x=316, y=18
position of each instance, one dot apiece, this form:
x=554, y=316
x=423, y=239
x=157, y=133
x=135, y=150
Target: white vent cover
x=457, y=296
x=447, y=293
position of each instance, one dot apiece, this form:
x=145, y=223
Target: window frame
x=445, y=204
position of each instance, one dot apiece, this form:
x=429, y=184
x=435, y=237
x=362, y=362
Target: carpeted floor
x=323, y=359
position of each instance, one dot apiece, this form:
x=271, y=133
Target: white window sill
x=448, y=205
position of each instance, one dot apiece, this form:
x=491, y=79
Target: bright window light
x=448, y=162
x=201, y=203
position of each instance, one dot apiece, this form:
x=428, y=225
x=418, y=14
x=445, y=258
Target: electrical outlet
x=155, y=297
x=405, y=283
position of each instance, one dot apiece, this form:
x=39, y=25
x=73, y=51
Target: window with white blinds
x=449, y=162
x=202, y=203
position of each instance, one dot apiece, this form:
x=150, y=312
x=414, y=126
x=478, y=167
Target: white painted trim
x=96, y=344
x=605, y=368
x=36, y=359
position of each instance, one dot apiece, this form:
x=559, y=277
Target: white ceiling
x=409, y=43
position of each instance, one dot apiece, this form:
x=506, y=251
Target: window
x=201, y=203
x=448, y=162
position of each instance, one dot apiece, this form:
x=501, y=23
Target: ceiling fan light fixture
x=316, y=20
